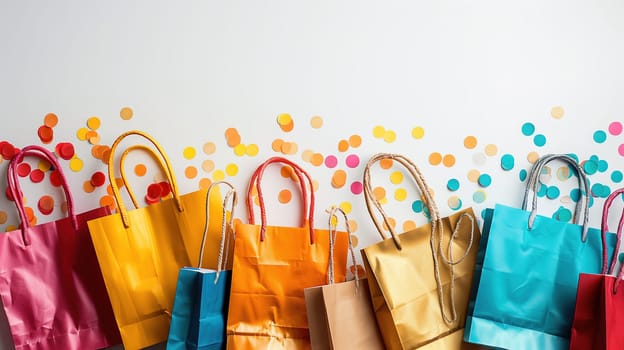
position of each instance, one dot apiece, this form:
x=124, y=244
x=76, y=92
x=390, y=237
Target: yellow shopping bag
x=140, y=252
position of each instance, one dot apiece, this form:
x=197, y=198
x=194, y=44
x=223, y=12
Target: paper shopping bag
x=51, y=286
x=202, y=295
x=141, y=251
x=272, y=266
x=420, y=286
x=340, y=315
x=597, y=322
x=527, y=275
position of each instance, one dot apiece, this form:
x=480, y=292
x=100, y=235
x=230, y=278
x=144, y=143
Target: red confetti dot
x=7, y=150
x=37, y=176
x=98, y=179
x=154, y=191
x=46, y=134
x=65, y=150
x=55, y=178
x=165, y=188
x=23, y=169
x=149, y=200
x=46, y=205
x=9, y=195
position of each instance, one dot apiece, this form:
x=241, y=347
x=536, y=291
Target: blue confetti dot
x=542, y=190
x=590, y=166
x=600, y=136
x=507, y=162
x=528, y=129
x=552, y=192
x=484, y=180
x=616, y=176
x=522, y=175
x=452, y=185
x=539, y=140
x=417, y=206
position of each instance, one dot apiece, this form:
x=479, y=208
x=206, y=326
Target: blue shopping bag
x=527, y=270
x=201, y=301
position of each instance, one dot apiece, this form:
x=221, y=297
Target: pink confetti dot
x=331, y=161
x=615, y=129
x=621, y=150
x=356, y=187
x=353, y=160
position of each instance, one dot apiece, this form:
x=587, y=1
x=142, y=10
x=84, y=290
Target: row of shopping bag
x=179, y=271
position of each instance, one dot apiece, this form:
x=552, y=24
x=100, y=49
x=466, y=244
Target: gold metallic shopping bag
x=420, y=280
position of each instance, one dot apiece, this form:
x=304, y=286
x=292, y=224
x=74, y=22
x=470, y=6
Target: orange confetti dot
x=30, y=214
x=316, y=122
x=88, y=187
x=355, y=141
x=286, y=171
x=3, y=217
x=435, y=158
x=317, y=159
x=232, y=137
x=50, y=120
x=108, y=201
x=339, y=178
x=354, y=240
x=126, y=113
x=353, y=226
x=288, y=127
x=392, y=223
x=379, y=193
x=140, y=170
x=284, y=196
x=343, y=146
x=46, y=134
x=93, y=123
x=307, y=155
x=532, y=157
x=204, y=183
x=208, y=165
x=470, y=142
x=190, y=172
x=209, y=148
x=106, y=155
x=289, y=148
x=385, y=163
x=448, y=160
x=277, y=145
x=409, y=225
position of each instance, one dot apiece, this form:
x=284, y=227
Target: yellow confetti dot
x=418, y=133
x=473, y=175
x=284, y=119
x=315, y=185
x=532, y=157
x=189, y=153
x=209, y=148
x=379, y=132
x=44, y=165
x=240, y=150
x=491, y=150
x=81, y=134
x=470, y=142
x=76, y=164
x=190, y=172
x=333, y=220
x=390, y=136
x=204, y=183
x=355, y=141
x=316, y=122
x=252, y=150
x=557, y=112
x=409, y=225
x=218, y=175
x=400, y=194
x=435, y=158
x=448, y=160
x=284, y=196
x=93, y=123
x=231, y=169
x=126, y=113
x=346, y=206
x=396, y=177
x=208, y=165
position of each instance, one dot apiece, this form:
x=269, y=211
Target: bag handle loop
x=333, y=228
x=604, y=229
x=122, y=163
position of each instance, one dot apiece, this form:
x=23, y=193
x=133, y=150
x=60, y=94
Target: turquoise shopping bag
x=527, y=270
x=202, y=295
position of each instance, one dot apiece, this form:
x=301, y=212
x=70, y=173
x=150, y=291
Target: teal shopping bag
x=527, y=270
x=202, y=295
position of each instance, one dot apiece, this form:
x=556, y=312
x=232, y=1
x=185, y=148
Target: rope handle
x=332, y=240
x=604, y=228
x=124, y=178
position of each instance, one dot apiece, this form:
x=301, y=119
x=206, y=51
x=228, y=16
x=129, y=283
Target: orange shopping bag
x=272, y=266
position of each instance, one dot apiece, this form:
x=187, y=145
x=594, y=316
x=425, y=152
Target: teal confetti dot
x=591, y=201
x=522, y=175
x=541, y=192
x=452, y=185
x=574, y=156
x=603, y=165
x=616, y=176
x=457, y=206
x=600, y=136
x=564, y=214
x=483, y=213
x=479, y=196
x=575, y=195
x=484, y=180
x=507, y=162
x=590, y=166
x=417, y=206
x=594, y=158
x=426, y=212
x=528, y=129
x=552, y=192
x=539, y=140
x=621, y=257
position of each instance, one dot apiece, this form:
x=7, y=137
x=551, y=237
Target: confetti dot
x=126, y=113
x=379, y=193
x=396, y=177
x=563, y=173
x=93, y=123
x=231, y=169
x=563, y=214
x=473, y=175
x=385, y=163
x=532, y=157
x=315, y=185
x=590, y=167
x=209, y=148
x=616, y=176
x=603, y=165
x=218, y=175
x=204, y=183
x=240, y=150
x=479, y=196
x=287, y=172
x=45, y=133
x=37, y=176
x=542, y=191
x=435, y=158
x=557, y=112
x=108, y=201
x=289, y=147
x=452, y=185
x=277, y=145
x=284, y=196
x=140, y=170
x=379, y=132
x=400, y=194
x=355, y=141
x=417, y=206
x=316, y=122
x=539, y=140
x=528, y=129
x=448, y=160
x=65, y=150
x=621, y=257
x=615, y=128
x=507, y=162
x=317, y=159
x=339, y=178
x=232, y=137
x=285, y=122
x=343, y=146
x=307, y=155
x=50, y=120
x=352, y=160
x=346, y=206
x=44, y=165
x=98, y=179
x=3, y=217
x=190, y=172
x=208, y=165
x=409, y=225
x=390, y=136
x=46, y=205
x=356, y=187
x=331, y=161
x=354, y=239
x=189, y=153
x=470, y=142
x=621, y=150
x=484, y=180
x=491, y=150
x=575, y=194
x=76, y=164
x=552, y=192
x=418, y=132
x=600, y=136
x=252, y=150
x=55, y=178
x=23, y=169
x=88, y=187
x=454, y=203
